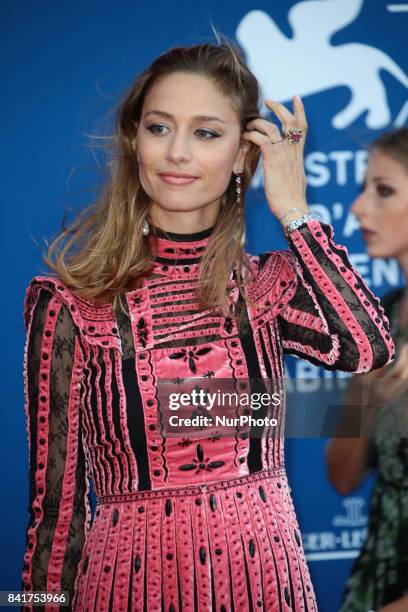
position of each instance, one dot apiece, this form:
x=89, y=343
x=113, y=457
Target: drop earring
x=145, y=228
x=238, y=187
x=238, y=190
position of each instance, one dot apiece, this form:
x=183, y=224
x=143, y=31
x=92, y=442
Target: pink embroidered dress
x=195, y=525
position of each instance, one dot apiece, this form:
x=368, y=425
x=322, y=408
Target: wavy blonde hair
x=103, y=252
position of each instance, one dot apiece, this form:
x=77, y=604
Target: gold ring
x=275, y=141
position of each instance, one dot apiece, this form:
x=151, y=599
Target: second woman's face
x=188, y=143
x=382, y=207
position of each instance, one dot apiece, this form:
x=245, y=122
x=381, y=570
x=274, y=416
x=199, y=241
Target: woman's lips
x=172, y=179
x=367, y=233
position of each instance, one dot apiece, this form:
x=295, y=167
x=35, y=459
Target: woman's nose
x=358, y=208
x=179, y=149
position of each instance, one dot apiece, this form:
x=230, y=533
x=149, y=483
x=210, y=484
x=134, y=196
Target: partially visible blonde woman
x=379, y=578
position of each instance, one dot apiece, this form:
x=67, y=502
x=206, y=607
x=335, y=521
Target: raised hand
x=283, y=164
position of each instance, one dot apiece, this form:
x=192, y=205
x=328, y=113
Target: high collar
x=171, y=248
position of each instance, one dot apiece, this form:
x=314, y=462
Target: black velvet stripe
x=265, y=356
x=116, y=415
x=258, y=386
x=135, y=422
x=271, y=441
x=273, y=348
x=263, y=258
x=106, y=427
x=177, y=237
x=254, y=459
x=93, y=401
x=167, y=261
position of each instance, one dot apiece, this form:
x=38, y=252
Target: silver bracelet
x=298, y=222
x=289, y=211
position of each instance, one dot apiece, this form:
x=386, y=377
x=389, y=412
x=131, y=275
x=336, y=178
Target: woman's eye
x=207, y=134
x=157, y=129
x=384, y=191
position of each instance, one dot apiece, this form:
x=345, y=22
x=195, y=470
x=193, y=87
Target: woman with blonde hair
x=153, y=283
x=379, y=578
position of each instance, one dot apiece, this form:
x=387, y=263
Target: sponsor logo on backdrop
x=346, y=537
x=310, y=60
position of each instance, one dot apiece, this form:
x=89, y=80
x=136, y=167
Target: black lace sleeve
x=332, y=319
x=58, y=486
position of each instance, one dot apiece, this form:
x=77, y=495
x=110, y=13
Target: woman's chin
x=377, y=251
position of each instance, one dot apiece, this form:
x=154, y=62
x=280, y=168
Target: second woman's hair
x=394, y=144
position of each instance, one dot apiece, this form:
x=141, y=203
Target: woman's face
x=188, y=143
x=382, y=207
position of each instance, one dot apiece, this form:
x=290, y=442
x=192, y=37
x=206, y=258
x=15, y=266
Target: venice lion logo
x=310, y=62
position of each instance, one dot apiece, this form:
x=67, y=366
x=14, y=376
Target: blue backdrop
x=64, y=67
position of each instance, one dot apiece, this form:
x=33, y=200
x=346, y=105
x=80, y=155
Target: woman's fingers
x=283, y=114
x=288, y=119
x=284, y=175
x=299, y=112
x=259, y=138
x=265, y=127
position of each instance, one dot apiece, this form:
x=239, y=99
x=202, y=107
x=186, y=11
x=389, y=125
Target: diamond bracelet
x=291, y=227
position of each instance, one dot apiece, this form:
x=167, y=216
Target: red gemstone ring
x=294, y=135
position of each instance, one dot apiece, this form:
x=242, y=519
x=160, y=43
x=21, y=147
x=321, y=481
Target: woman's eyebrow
x=378, y=179
x=195, y=118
